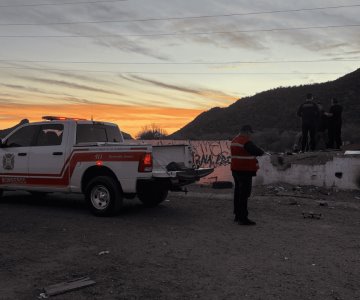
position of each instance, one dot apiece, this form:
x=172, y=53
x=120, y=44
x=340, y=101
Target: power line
x=180, y=63
x=179, y=18
x=176, y=73
x=63, y=3
x=183, y=33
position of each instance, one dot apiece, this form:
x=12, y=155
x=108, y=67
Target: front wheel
x=103, y=196
x=151, y=194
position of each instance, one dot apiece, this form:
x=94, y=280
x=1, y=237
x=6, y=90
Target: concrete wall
x=342, y=171
x=328, y=169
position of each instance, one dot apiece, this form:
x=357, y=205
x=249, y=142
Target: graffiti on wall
x=206, y=154
x=211, y=154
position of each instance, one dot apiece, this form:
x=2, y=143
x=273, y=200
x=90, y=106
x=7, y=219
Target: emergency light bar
x=56, y=118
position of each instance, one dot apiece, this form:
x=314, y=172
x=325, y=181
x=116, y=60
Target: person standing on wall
x=309, y=114
x=244, y=166
x=335, y=122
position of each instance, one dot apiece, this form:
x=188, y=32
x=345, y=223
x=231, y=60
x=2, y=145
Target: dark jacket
x=309, y=112
x=336, y=111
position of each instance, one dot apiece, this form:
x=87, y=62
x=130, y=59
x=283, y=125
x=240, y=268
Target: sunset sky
x=163, y=62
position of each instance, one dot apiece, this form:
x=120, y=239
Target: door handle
x=57, y=153
x=22, y=154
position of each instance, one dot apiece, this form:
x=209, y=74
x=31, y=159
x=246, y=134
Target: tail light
x=146, y=163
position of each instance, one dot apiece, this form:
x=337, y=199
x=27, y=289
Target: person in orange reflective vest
x=243, y=167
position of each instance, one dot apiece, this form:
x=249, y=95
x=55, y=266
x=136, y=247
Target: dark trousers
x=242, y=192
x=334, y=133
x=308, y=129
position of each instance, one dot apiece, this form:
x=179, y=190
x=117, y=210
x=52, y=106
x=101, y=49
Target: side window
x=87, y=133
x=50, y=135
x=114, y=134
x=22, y=137
x=92, y=133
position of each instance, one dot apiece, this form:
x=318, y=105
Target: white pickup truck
x=90, y=157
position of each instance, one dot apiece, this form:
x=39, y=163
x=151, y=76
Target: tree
x=151, y=132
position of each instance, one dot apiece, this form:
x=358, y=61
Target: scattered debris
x=297, y=188
x=325, y=192
x=64, y=287
x=311, y=215
x=335, y=189
x=294, y=195
x=280, y=188
x=294, y=202
x=276, y=189
x=104, y=252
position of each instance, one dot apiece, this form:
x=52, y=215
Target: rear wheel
x=103, y=195
x=151, y=194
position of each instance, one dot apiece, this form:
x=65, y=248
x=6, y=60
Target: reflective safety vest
x=241, y=160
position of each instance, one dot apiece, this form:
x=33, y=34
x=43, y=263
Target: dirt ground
x=186, y=248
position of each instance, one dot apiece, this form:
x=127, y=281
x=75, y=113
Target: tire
x=151, y=194
x=103, y=196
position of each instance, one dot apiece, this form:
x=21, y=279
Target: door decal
x=8, y=161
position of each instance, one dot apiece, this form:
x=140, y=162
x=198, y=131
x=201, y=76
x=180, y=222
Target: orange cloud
x=130, y=119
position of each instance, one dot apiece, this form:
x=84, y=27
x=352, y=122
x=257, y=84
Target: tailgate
x=163, y=155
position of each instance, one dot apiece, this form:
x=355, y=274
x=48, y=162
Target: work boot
x=246, y=222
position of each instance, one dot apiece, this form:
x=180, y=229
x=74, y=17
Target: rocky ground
x=186, y=248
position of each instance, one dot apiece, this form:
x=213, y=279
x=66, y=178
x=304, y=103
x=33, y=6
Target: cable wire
x=182, y=33
x=59, y=4
x=178, y=18
x=180, y=63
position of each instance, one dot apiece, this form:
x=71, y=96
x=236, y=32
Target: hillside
x=275, y=110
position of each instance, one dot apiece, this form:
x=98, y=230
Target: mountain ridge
x=275, y=109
